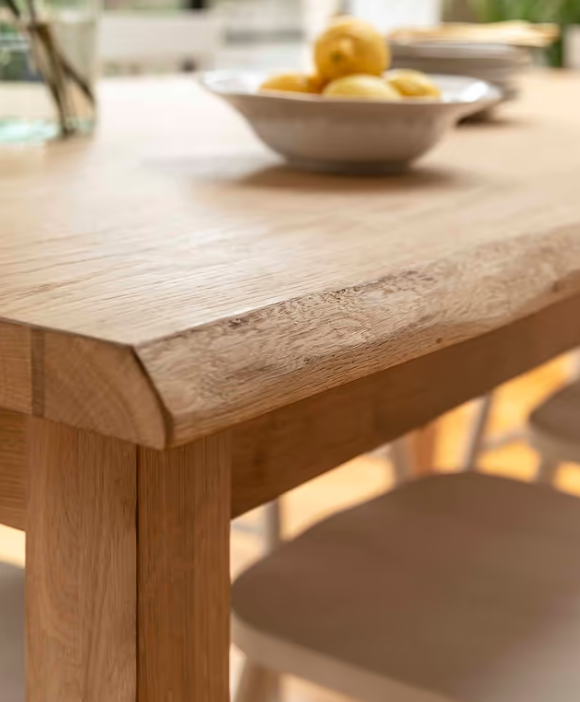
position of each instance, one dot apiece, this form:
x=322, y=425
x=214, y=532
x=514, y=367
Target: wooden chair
x=11, y=633
x=554, y=431
x=267, y=682
x=553, y=428
x=457, y=588
x=140, y=41
x=272, y=513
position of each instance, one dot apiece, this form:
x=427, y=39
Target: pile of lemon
x=351, y=58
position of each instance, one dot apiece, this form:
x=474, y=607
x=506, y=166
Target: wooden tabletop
x=170, y=277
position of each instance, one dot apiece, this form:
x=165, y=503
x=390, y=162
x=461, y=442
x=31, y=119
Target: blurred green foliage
x=561, y=12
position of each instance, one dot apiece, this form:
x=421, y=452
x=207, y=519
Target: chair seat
x=462, y=588
x=554, y=426
x=11, y=633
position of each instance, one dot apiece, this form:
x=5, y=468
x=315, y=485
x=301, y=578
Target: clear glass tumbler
x=48, y=68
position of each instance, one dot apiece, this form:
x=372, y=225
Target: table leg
x=184, y=573
x=127, y=581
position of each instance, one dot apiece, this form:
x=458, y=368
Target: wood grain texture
x=96, y=386
x=81, y=566
x=283, y=449
x=12, y=469
x=15, y=368
x=183, y=580
x=242, y=286
x=81, y=382
x=289, y=446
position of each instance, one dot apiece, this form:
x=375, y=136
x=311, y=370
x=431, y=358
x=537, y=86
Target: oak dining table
x=189, y=328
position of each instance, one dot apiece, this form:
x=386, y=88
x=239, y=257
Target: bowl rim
x=207, y=79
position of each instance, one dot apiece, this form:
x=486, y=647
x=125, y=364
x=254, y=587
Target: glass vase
x=48, y=68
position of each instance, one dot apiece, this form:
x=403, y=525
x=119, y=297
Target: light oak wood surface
x=231, y=285
x=367, y=476
x=81, y=567
x=127, y=569
x=280, y=450
x=15, y=368
x=184, y=579
x=12, y=469
x=169, y=282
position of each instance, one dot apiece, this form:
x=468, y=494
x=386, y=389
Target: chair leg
x=257, y=684
x=574, y=365
x=272, y=525
x=546, y=471
x=399, y=455
x=477, y=432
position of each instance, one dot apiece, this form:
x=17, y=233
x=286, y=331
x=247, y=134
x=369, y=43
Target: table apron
x=280, y=450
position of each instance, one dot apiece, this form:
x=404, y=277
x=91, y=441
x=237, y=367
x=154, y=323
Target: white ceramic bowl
x=346, y=135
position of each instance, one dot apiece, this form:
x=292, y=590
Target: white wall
x=388, y=14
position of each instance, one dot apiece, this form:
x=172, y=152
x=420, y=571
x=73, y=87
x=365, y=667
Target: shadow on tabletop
x=285, y=176
x=495, y=121
x=262, y=172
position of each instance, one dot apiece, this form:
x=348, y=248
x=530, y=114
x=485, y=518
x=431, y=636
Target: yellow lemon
x=413, y=83
x=316, y=83
x=351, y=46
x=362, y=87
x=292, y=83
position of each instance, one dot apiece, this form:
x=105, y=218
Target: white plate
x=346, y=135
x=497, y=54
x=497, y=64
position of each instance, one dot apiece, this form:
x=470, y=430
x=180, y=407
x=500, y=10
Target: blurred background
x=143, y=37
x=271, y=33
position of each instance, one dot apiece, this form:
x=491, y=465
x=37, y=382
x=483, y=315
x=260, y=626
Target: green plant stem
x=54, y=78
x=71, y=73
x=14, y=9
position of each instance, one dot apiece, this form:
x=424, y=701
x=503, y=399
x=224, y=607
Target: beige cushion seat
x=462, y=588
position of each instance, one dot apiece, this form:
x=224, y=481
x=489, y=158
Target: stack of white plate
x=498, y=64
